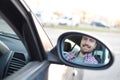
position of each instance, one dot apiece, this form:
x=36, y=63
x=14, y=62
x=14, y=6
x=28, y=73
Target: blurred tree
x=117, y=22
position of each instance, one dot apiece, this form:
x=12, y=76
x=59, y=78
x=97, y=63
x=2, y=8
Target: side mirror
x=83, y=50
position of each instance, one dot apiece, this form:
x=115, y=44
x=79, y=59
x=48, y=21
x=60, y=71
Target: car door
x=23, y=23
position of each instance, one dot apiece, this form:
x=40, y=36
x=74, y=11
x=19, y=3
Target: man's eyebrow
x=84, y=37
x=92, y=39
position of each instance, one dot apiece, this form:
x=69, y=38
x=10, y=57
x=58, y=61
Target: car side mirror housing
x=78, y=49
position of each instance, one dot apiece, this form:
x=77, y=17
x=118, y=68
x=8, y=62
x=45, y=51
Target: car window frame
x=35, y=53
x=38, y=63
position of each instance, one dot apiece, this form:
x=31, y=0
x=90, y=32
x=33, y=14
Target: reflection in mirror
x=84, y=49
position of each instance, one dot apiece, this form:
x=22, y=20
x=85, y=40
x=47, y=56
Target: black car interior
x=67, y=46
x=13, y=55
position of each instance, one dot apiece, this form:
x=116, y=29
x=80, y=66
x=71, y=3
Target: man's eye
x=84, y=38
x=92, y=40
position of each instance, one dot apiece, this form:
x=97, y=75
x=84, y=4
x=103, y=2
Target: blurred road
x=113, y=73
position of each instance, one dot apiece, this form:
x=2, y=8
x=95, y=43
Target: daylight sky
x=108, y=8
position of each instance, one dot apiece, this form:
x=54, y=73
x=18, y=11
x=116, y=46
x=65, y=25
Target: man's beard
x=86, y=45
x=84, y=52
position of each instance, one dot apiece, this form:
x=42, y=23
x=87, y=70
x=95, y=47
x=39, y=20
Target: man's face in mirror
x=87, y=44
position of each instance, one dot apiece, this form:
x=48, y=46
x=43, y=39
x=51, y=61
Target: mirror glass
x=83, y=49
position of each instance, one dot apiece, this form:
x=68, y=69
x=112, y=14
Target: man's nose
x=87, y=42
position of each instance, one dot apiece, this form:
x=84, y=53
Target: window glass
x=4, y=27
x=12, y=51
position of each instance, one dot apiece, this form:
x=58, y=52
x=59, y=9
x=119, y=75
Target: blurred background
x=99, y=17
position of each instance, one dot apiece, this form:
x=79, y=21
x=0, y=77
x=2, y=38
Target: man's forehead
x=88, y=38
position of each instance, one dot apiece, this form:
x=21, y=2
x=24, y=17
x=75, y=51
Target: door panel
x=32, y=71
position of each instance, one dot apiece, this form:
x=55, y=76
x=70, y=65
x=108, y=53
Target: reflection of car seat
x=98, y=53
x=97, y=57
x=67, y=46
